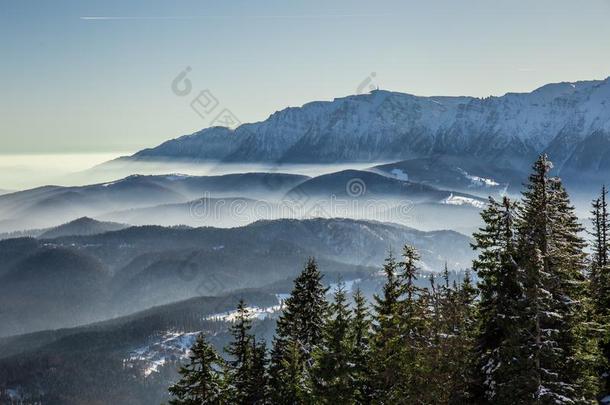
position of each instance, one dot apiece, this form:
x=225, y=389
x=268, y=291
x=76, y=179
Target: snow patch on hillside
x=172, y=346
x=478, y=181
x=461, y=200
x=253, y=313
x=175, y=346
x=400, y=175
x=259, y=313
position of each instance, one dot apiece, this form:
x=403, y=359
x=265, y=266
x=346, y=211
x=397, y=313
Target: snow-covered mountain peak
x=383, y=125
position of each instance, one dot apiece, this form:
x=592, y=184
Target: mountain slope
x=51, y=286
x=217, y=212
x=80, y=227
x=507, y=130
x=453, y=173
x=89, y=278
x=52, y=205
x=369, y=185
x=59, y=363
x=377, y=195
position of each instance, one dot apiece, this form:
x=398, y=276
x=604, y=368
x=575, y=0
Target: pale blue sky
x=70, y=84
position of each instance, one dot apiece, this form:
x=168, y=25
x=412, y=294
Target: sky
x=103, y=76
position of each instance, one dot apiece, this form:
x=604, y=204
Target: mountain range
x=569, y=121
x=240, y=199
x=50, y=206
x=71, y=280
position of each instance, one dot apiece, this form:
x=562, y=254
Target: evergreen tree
x=385, y=360
x=299, y=331
x=599, y=273
x=258, y=380
x=408, y=268
x=361, y=336
x=581, y=336
x=600, y=246
x=599, y=279
x=239, y=351
x=295, y=389
x=551, y=251
x=246, y=375
x=499, y=358
x=461, y=336
x=333, y=372
x=397, y=370
x=200, y=381
x=445, y=349
x=413, y=314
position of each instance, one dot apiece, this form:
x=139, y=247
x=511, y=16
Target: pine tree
x=241, y=377
x=498, y=348
x=413, y=311
x=397, y=370
x=385, y=360
x=433, y=362
x=239, y=350
x=599, y=273
x=299, y=331
x=409, y=270
x=599, y=280
x=582, y=335
x=461, y=335
x=200, y=381
x=295, y=389
x=361, y=337
x=444, y=350
x=286, y=366
x=333, y=372
x=257, y=387
x=551, y=251
x=600, y=246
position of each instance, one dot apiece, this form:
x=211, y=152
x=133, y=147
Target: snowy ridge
x=384, y=125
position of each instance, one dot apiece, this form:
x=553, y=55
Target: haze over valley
x=304, y=203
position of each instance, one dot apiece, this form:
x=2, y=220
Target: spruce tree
x=444, y=351
x=240, y=389
x=582, y=332
x=295, y=389
x=257, y=387
x=413, y=311
x=298, y=332
x=397, y=370
x=552, y=326
x=361, y=337
x=461, y=336
x=386, y=345
x=499, y=358
x=333, y=371
x=599, y=280
x=600, y=222
x=200, y=381
x=431, y=367
x=599, y=272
